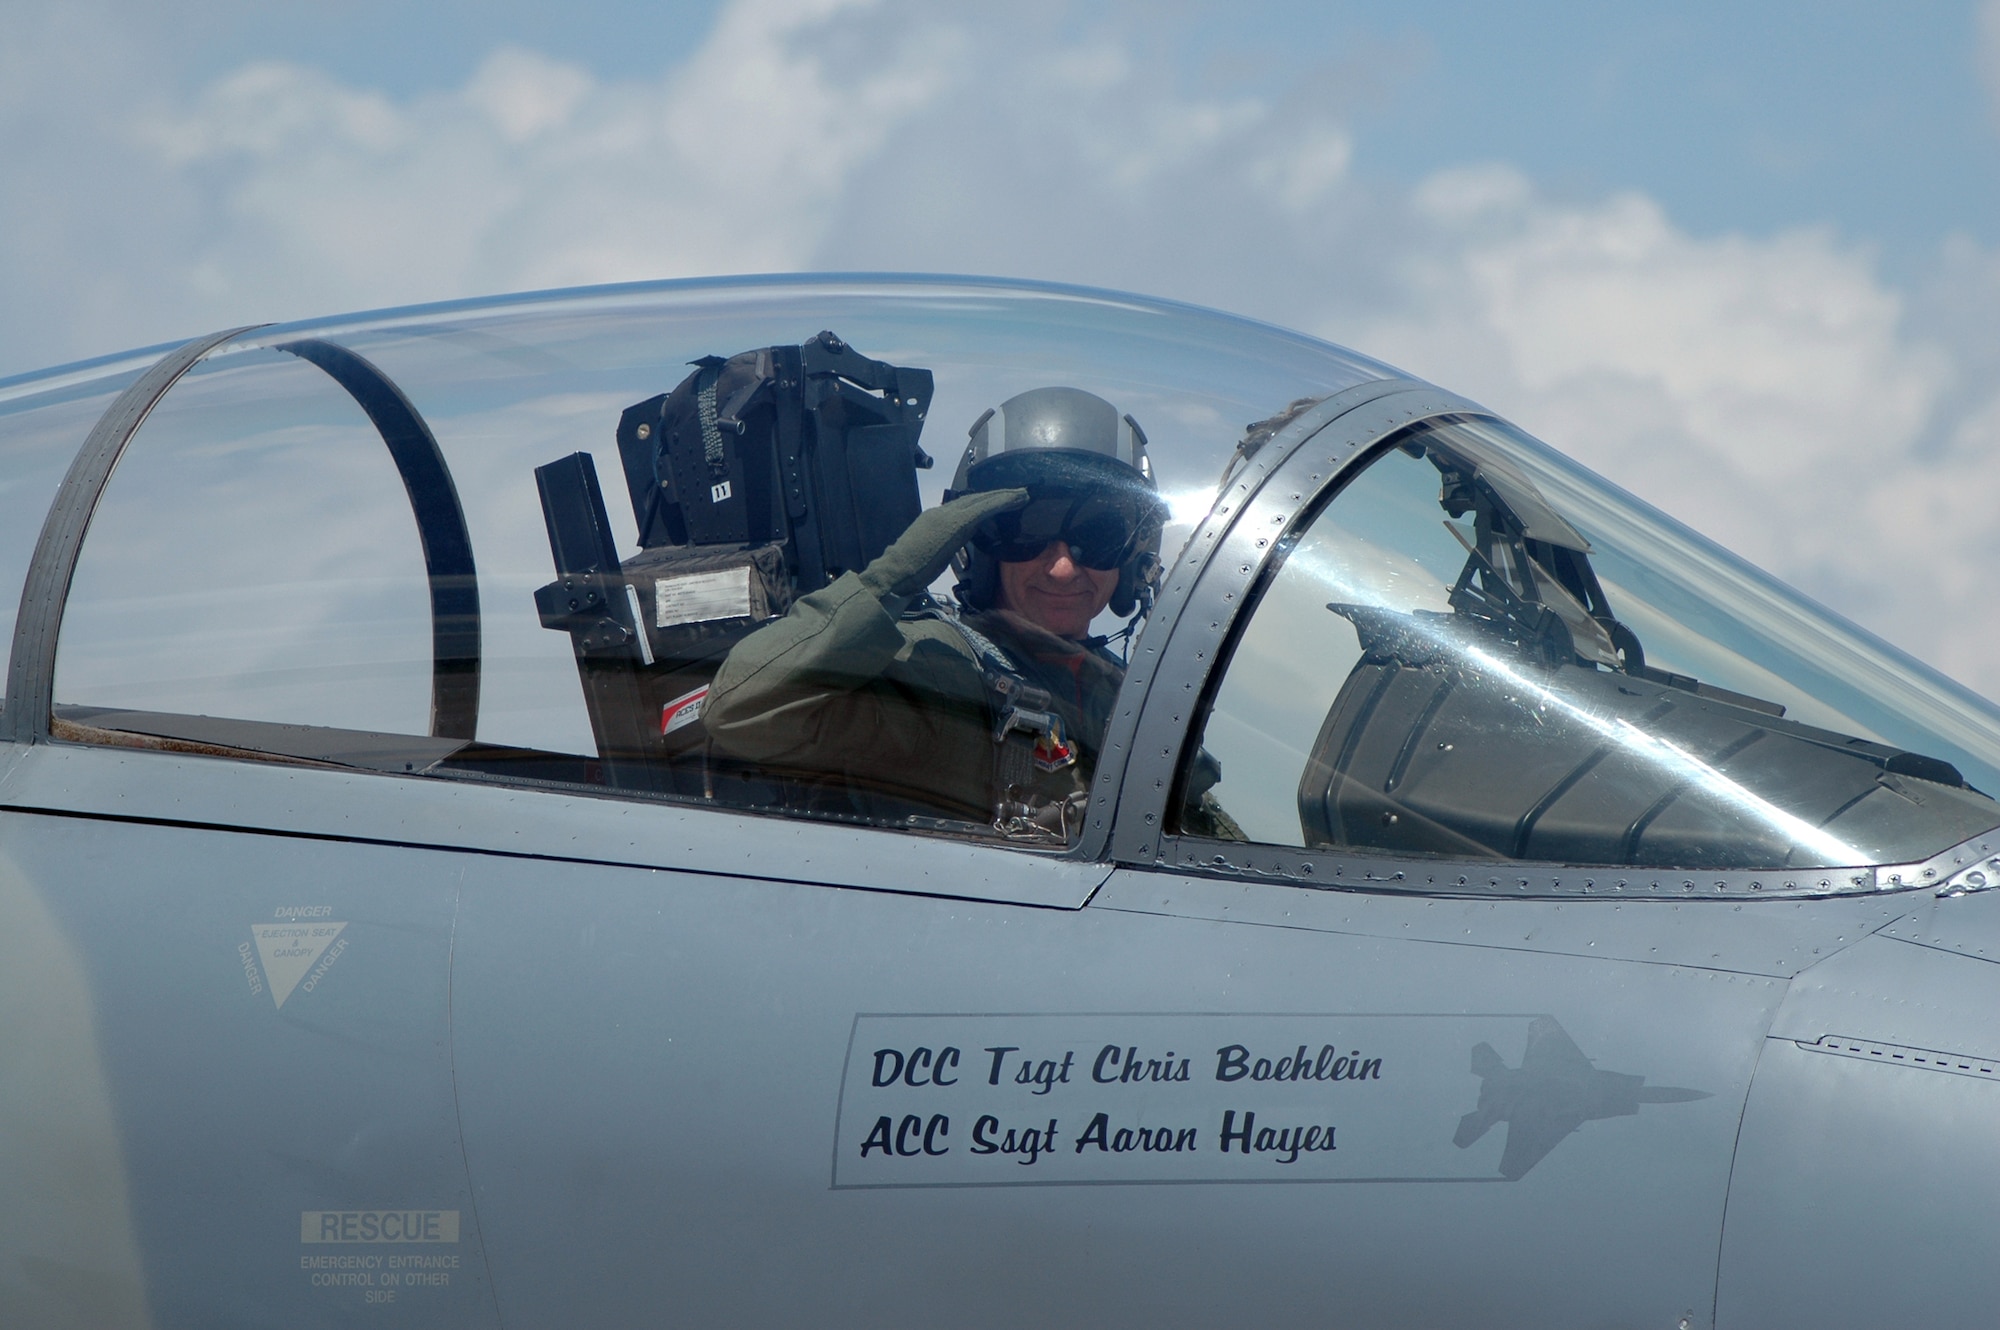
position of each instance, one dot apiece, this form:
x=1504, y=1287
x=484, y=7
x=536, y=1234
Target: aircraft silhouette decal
x=1553, y=1092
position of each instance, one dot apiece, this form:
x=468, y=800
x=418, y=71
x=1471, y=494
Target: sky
x=1743, y=260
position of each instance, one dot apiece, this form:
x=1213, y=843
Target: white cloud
x=1308, y=169
x=1774, y=391
x=267, y=109
x=279, y=191
x=1989, y=49
x=1770, y=362
x=526, y=95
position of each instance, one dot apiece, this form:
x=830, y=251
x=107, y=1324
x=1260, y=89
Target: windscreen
x=1477, y=649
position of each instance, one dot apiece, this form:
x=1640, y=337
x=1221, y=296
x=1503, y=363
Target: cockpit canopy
x=343, y=542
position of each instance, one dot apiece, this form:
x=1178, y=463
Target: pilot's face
x=1055, y=591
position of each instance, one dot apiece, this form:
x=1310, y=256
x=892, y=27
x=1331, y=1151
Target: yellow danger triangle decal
x=289, y=950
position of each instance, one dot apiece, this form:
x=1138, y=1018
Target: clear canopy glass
x=1477, y=649
x=253, y=556
x=264, y=577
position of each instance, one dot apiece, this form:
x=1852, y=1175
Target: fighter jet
x=553, y=810
x=1553, y=1092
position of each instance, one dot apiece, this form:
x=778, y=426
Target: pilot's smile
x=1056, y=591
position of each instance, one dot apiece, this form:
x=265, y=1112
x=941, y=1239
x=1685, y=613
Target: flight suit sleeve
x=839, y=680
x=810, y=682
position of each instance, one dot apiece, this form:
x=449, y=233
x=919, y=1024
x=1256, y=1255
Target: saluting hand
x=926, y=546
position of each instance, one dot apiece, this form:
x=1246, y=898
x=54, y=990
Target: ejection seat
x=757, y=480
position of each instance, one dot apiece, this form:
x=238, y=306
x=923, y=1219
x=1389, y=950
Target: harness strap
x=1028, y=732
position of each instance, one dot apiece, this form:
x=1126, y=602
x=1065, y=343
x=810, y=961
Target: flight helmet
x=1089, y=482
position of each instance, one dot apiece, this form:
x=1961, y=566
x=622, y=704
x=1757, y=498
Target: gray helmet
x=1063, y=420
x=1064, y=442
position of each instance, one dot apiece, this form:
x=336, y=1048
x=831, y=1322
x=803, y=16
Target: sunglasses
x=1101, y=532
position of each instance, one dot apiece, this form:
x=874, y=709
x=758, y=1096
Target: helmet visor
x=1101, y=530
x=1098, y=506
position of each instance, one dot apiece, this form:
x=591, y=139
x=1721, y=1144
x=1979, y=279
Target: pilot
x=891, y=705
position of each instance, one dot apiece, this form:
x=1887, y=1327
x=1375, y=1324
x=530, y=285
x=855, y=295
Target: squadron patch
x=1053, y=750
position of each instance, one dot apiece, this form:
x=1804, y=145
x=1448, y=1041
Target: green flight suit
x=895, y=716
